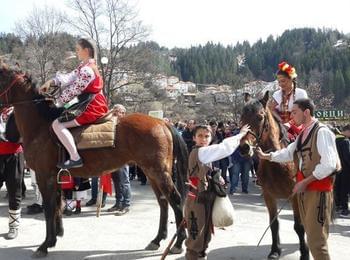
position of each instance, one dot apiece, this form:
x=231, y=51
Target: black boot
x=77, y=211
x=91, y=202
x=34, y=209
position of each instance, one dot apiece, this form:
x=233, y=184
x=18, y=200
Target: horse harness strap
x=17, y=78
x=259, y=135
x=13, y=82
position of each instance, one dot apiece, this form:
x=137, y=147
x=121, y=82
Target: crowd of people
x=212, y=146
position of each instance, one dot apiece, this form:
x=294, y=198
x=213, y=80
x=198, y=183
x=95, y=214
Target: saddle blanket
x=95, y=135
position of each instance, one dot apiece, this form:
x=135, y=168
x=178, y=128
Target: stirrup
x=64, y=173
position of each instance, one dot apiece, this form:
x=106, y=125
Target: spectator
x=122, y=189
x=94, y=192
x=343, y=178
x=37, y=206
x=120, y=178
x=187, y=135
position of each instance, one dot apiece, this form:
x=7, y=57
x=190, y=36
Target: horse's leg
x=163, y=221
x=48, y=190
x=299, y=229
x=168, y=189
x=59, y=223
x=271, y=205
x=176, y=203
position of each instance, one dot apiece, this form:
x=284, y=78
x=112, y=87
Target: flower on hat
x=290, y=70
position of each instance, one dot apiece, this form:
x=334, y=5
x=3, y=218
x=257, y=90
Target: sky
x=185, y=23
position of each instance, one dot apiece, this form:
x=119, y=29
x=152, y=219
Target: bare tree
x=314, y=92
x=41, y=32
x=113, y=24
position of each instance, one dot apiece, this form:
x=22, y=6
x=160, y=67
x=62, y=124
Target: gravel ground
x=124, y=237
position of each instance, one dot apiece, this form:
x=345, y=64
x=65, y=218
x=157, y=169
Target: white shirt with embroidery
x=299, y=93
x=74, y=83
x=219, y=151
x=326, y=147
x=4, y=115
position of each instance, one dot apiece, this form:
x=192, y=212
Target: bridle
x=13, y=82
x=18, y=78
x=259, y=135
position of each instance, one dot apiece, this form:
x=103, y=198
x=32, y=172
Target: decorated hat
x=287, y=69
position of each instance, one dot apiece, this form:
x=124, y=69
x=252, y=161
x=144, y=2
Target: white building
x=258, y=88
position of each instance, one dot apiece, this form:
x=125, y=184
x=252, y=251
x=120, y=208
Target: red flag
x=106, y=183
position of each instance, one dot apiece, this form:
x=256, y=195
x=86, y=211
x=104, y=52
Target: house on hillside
x=258, y=88
x=179, y=88
x=223, y=97
x=188, y=99
x=341, y=44
x=173, y=86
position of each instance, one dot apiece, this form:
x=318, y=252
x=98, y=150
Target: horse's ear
x=265, y=99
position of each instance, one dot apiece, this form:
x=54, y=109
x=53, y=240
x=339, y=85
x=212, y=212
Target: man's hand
x=262, y=155
x=46, y=86
x=244, y=130
x=300, y=186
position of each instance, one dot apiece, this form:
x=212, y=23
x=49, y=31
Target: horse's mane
x=45, y=108
x=283, y=134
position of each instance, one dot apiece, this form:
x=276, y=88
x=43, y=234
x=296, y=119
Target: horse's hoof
x=273, y=256
x=60, y=233
x=175, y=250
x=152, y=246
x=39, y=254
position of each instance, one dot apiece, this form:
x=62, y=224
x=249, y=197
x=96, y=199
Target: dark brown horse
x=277, y=180
x=148, y=141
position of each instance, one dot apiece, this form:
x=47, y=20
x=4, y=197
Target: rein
x=275, y=217
x=24, y=102
x=258, y=137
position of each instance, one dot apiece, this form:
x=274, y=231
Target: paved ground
x=110, y=237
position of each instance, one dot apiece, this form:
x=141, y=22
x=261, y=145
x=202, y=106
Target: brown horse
x=277, y=180
x=148, y=141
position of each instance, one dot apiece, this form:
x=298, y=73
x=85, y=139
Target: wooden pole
x=167, y=250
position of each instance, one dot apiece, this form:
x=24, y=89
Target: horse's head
x=12, y=81
x=18, y=88
x=254, y=114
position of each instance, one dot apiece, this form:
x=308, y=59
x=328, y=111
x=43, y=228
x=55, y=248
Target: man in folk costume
x=197, y=208
x=11, y=168
x=282, y=100
x=315, y=155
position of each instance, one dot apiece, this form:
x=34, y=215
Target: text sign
x=329, y=114
x=156, y=113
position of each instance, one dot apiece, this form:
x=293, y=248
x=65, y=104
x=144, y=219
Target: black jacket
x=343, y=148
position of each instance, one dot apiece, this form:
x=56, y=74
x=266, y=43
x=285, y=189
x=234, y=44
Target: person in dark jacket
x=343, y=178
x=187, y=135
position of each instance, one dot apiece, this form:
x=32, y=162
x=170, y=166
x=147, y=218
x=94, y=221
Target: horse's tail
x=180, y=161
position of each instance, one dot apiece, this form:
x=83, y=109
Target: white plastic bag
x=223, y=212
